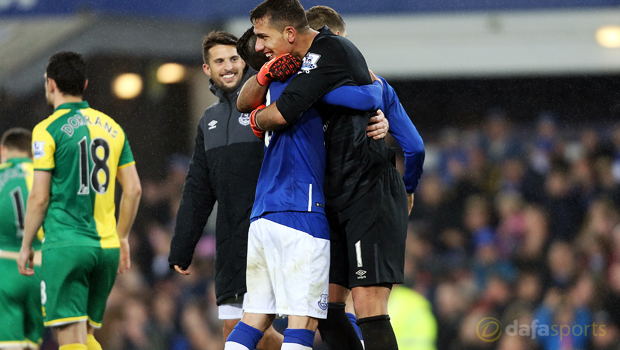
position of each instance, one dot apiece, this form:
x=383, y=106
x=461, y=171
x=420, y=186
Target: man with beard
x=225, y=167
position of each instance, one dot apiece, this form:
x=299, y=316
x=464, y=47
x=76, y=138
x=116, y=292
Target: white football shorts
x=231, y=309
x=288, y=265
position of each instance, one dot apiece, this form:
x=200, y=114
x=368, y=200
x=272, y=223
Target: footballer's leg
x=230, y=311
x=229, y=325
x=64, y=293
x=101, y=281
x=271, y=340
x=72, y=336
x=336, y=330
x=300, y=333
x=349, y=309
x=15, y=313
x=376, y=247
x=249, y=331
x=259, y=300
x=91, y=342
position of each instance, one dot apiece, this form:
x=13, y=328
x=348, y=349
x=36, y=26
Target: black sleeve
x=196, y=206
x=326, y=66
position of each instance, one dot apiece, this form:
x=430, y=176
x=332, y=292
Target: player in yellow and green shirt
x=78, y=155
x=20, y=297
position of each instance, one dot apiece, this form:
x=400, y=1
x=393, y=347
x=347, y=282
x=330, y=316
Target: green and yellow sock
x=92, y=343
x=76, y=346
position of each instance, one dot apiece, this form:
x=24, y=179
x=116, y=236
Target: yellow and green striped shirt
x=83, y=149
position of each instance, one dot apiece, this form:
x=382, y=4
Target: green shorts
x=76, y=284
x=20, y=307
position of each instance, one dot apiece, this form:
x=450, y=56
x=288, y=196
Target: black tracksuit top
x=225, y=165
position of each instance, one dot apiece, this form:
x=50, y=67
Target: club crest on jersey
x=244, y=119
x=38, y=149
x=323, y=302
x=310, y=61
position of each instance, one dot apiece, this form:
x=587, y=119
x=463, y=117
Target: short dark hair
x=216, y=37
x=246, y=49
x=319, y=16
x=18, y=139
x=68, y=70
x=281, y=13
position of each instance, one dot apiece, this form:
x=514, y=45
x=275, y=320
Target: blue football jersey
x=293, y=170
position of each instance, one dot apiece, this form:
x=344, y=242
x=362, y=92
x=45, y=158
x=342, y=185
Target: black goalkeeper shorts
x=368, y=237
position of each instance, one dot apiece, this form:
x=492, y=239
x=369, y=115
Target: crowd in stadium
x=509, y=222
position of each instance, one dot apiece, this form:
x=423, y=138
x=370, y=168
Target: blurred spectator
x=516, y=176
x=498, y=141
x=453, y=159
x=561, y=264
x=511, y=227
x=136, y=325
x=536, y=235
x=432, y=208
x=450, y=310
x=570, y=323
x=562, y=204
x=608, y=338
x=529, y=288
x=595, y=237
x=546, y=145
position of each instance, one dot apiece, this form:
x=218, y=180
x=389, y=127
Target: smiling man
x=224, y=168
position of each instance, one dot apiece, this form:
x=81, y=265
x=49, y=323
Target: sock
x=76, y=346
x=353, y=320
x=337, y=331
x=92, y=343
x=298, y=339
x=243, y=337
x=378, y=333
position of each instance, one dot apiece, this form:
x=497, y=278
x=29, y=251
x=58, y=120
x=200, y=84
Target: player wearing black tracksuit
x=224, y=168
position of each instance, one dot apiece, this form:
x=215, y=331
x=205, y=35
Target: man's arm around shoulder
x=252, y=95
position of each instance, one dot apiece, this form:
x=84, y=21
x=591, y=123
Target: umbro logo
x=212, y=124
x=361, y=274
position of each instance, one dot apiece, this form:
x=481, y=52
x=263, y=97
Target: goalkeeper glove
x=260, y=133
x=279, y=68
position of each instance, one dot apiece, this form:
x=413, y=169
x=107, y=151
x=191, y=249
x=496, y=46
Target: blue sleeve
x=405, y=133
x=362, y=97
